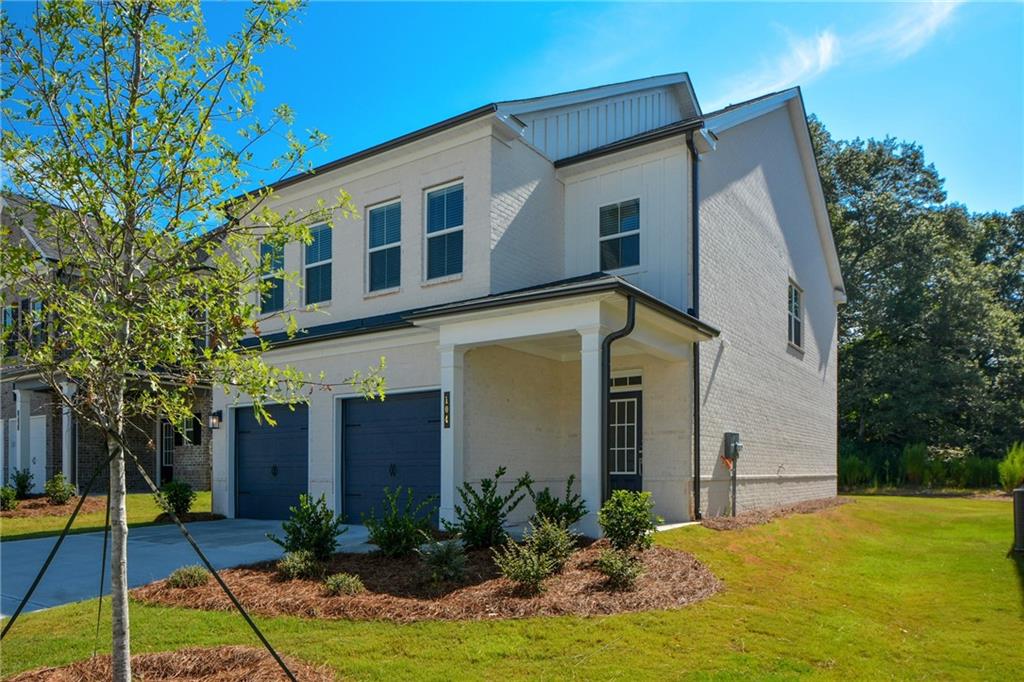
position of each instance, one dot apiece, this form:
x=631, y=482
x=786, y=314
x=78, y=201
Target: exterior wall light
x=215, y=419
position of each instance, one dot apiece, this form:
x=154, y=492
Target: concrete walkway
x=153, y=553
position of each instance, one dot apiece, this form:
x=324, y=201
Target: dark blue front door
x=625, y=441
x=271, y=462
x=391, y=443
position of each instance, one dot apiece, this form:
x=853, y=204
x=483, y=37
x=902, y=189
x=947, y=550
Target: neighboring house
x=40, y=435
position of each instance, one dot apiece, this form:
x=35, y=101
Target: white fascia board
x=717, y=123
x=544, y=103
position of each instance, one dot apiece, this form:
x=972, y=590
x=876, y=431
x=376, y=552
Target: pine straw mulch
x=214, y=664
x=41, y=506
x=758, y=517
x=399, y=590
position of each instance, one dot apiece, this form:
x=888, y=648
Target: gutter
x=606, y=388
x=695, y=312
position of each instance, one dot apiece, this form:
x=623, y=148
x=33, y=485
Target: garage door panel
x=391, y=443
x=272, y=462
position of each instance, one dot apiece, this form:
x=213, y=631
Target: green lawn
x=883, y=587
x=142, y=511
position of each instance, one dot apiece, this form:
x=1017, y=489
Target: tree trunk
x=121, y=653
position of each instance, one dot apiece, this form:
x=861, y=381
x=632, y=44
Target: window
x=38, y=321
x=189, y=433
x=620, y=235
x=444, y=232
x=318, y=266
x=796, y=323
x=10, y=330
x=384, y=247
x=273, y=298
x=166, y=443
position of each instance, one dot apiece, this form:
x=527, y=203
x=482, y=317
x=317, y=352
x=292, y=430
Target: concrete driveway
x=153, y=553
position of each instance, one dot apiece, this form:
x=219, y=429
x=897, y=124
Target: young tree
x=116, y=125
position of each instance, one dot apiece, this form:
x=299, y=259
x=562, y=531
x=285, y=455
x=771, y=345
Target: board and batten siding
x=661, y=181
x=571, y=130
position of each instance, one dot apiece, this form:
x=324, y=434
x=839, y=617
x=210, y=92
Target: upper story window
x=10, y=332
x=318, y=265
x=384, y=247
x=620, y=235
x=272, y=300
x=38, y=324
x=796, y=320
x=444, y=231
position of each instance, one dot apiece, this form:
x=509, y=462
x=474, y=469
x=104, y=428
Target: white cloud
x=907, y=33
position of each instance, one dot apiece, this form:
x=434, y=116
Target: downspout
x=606, y=387
x=695, y=311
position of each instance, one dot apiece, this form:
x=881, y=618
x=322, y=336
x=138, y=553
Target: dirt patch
x=40, y=506
x=220, y=664
x=399, y=590
x=758, y=517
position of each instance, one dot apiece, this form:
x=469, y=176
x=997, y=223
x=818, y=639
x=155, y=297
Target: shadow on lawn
x=1018, y=559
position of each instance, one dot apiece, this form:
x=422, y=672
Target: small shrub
x=22, y=480
x=312, y=528
x=401, y=527
x=1011, y=469
x=552, y=540
x=176, y=496
x=853, y=472
x=627, y=521
x=523, y=565
x=59, y=490
x=915, y=463
x=8, y=498
x=562, y=511
x=343, y=583
x=481, y=518
x=188, y=576
x=980, y=472
x=620, y=568
x=444, y=559
x=300, y=564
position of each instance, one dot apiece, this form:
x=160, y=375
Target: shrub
x=8, y=499
x=562, y=511
x=523, y=565
x=627, y=521
x=401, y=528
x=312, y=528
x=300, y=564
x=552, y=540
x=481, y=518
x=445, y=560
x=853, y=472
x=59, y=490
x=915, y=463
x=620, y=568
x=980, y=472
x=1011, y=469
x=176, y=496
x=22, y=480
x=188, y=576
x=343, y=583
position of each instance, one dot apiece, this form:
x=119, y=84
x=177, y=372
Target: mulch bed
x=219, y=664
x=758, y=517
x=399, y=590
x=40, y=506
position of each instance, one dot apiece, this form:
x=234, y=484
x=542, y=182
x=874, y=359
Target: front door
x=625, y=441
x=37, y=452
x=166, y=451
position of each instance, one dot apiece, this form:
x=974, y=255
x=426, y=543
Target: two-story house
x=599, y=283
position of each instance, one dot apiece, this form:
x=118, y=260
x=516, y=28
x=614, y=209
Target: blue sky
x=949, y=76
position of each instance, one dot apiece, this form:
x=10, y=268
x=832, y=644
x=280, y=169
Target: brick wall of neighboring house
x=42, y=404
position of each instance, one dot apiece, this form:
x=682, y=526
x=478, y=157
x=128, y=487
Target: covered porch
x=521, y=387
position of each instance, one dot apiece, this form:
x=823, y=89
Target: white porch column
x=451, y=428
x=23, y=431
x=590, y=425
x=67, y=444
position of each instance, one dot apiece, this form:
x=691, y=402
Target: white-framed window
x=384, y=247
x=796, y=319
x=166, y=443
x=623, y=426
x=272, y=299
x=318, y=265
x=619, y=227
x=10, y=333
x=444, y=220
x=38, y=322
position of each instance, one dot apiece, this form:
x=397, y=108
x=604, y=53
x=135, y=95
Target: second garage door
x=271, y=462
x=389, y=443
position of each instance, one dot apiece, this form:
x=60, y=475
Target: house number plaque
x=447, y=410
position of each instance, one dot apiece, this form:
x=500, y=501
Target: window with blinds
x=620, y=235
x=384, y=247
x=318, y=266
x=444, y=231
x=272, y=299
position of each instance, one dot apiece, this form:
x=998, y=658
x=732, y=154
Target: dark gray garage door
x=271, y=462
x=394, y=442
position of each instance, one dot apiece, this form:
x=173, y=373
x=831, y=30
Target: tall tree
x=116, y=125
